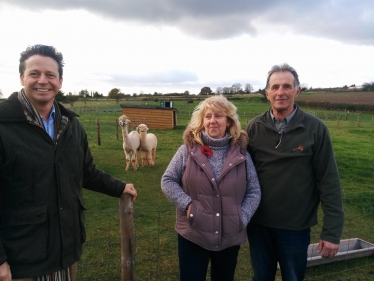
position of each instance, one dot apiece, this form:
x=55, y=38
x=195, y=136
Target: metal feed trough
x=349, y=249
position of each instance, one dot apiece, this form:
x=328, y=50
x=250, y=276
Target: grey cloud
x=219, y=28
x=346, y=21
x=349, y=21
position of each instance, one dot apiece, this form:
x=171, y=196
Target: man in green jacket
x=44, y=164
x=296, y=167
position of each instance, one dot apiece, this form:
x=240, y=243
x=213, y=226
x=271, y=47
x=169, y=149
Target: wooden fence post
x=117, y=128
x=126, y=215
x=98, y=132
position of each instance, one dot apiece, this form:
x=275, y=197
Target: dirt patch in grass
x=339, y=97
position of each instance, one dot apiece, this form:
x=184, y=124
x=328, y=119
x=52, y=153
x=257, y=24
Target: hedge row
x=368, y=108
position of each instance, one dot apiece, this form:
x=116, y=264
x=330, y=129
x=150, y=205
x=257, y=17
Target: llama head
x=142, y=128
x=123, y=121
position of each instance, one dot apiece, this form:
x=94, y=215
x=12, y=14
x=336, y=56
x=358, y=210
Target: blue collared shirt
x=282, y=124
x=50, y=125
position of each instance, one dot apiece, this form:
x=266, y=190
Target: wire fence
x=155, y=239
x=156, y=256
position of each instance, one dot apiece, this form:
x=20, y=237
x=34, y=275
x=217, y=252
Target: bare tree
x=248, y=88
x=227, y=90
x=71, y=99
x=219, y=90
x=1, y=94
x=236, y=88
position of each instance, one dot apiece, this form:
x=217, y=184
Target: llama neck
x=124, y=133
x=143, y=135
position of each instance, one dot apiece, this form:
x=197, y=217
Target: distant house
x=155, y=117
x=355, y=87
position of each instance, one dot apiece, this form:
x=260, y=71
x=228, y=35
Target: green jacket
x=41, y=180
x=296, y=176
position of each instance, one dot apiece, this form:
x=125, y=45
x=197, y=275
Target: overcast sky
x=174, y=45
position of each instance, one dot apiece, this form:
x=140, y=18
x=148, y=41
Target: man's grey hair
x=283, y=68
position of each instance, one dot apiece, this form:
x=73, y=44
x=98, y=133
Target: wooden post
x=98, y=132
x=358, y=120
x=117, y=128
x=126, y=215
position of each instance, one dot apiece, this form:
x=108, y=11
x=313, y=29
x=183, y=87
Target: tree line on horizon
x=236, y=88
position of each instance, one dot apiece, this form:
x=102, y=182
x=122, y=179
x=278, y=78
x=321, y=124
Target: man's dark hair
x=283, y=68
x=42, y=50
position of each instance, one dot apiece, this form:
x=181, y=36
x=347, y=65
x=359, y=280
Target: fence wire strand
x=156, y=255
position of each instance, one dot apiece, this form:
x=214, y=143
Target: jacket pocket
x=82, y=218
x=201, y=214
x=24, y=234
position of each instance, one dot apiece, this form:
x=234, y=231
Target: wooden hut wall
x=152, y=117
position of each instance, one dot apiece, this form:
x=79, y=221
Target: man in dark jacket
x=296, y=167
x=44, y=163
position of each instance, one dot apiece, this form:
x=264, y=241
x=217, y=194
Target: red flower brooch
x=206, y=150
x=300, y=147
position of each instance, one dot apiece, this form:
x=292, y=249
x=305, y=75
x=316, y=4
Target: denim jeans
x=194, y=260
x=271, y=245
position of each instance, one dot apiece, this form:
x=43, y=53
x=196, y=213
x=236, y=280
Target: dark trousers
x=194, y=260
x=271, y=245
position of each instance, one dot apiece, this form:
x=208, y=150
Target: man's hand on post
x=130, y=189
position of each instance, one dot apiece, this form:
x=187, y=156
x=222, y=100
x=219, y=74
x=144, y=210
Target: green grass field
x=155, y=242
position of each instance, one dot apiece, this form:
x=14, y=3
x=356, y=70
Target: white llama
x=131, y=142
x=148, y=145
